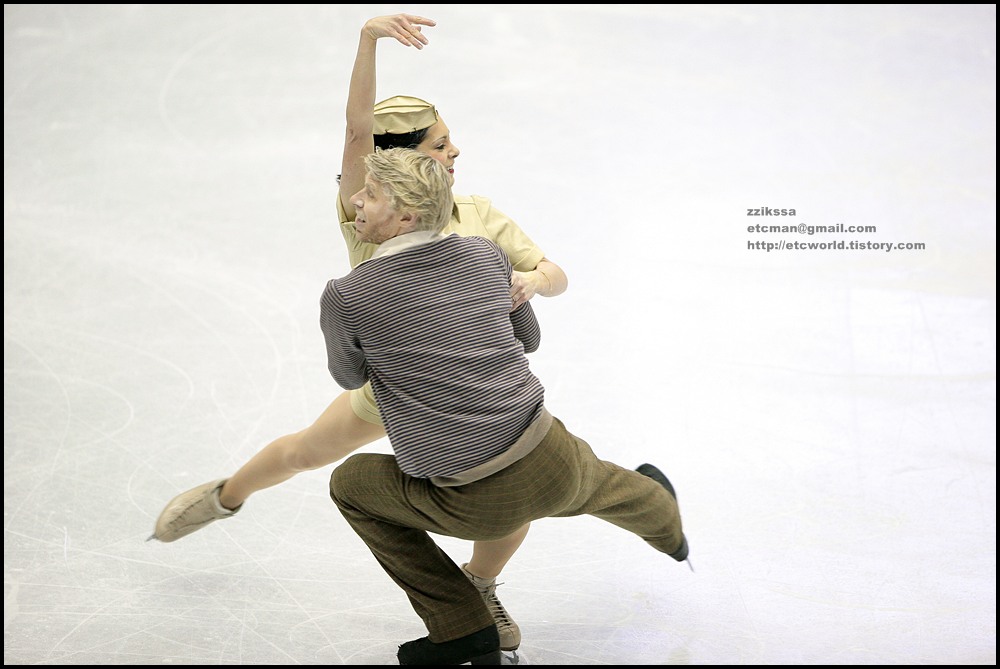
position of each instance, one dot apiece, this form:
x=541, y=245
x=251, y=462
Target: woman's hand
x=523, y=287
x=405, y=28
x=548, y=279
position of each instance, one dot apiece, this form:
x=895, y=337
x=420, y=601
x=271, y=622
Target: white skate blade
x=512, y=657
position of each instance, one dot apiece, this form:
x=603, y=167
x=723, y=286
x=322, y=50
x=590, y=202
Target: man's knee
x=354, y=474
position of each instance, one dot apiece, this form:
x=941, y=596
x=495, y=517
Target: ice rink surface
x=828, y=415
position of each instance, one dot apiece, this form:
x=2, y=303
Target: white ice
x=827, y=416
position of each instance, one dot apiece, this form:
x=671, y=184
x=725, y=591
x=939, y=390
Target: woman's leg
x=488, y=560
x=336, y=433
x=490, y=557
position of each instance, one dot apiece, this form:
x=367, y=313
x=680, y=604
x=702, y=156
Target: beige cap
x=402, y=114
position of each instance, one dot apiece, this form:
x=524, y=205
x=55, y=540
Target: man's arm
x=344, y=357
x=526, y=327
x=522, y=316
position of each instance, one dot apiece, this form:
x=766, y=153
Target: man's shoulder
x=472, y=242
x=449, y=249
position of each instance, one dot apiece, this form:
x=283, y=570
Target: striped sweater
x=431, y=328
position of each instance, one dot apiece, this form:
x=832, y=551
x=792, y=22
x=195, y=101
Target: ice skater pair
x=428, y=321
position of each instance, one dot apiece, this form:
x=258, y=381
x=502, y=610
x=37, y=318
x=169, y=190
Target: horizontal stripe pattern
x=431, y=328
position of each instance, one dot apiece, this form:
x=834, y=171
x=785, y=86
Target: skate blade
x=512, y=657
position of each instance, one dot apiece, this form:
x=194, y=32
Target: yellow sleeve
x=357, y=251
x=523, y=253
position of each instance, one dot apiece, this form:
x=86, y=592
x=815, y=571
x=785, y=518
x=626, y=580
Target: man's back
x=431, y=327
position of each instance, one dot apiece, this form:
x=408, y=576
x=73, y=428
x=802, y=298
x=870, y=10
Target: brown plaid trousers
x=393, y=513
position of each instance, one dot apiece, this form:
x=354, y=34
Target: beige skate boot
x=510, y=633
x=191, y=511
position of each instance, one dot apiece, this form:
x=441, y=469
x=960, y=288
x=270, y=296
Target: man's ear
x=408, y=221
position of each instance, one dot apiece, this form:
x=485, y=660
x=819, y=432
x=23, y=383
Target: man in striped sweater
x=429, y=321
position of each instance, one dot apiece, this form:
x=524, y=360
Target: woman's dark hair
x=390, y=140
x=407, y=140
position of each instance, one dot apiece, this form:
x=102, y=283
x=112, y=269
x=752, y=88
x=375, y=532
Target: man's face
x=375, y=221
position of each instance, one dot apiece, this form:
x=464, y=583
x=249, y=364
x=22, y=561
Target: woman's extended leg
x=336, y=433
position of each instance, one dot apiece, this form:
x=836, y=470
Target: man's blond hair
x=415, y=183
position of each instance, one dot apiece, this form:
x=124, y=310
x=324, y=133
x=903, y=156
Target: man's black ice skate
x=482, y=647
x=681, y=554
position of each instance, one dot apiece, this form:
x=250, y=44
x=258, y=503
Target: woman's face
x=437, y=144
